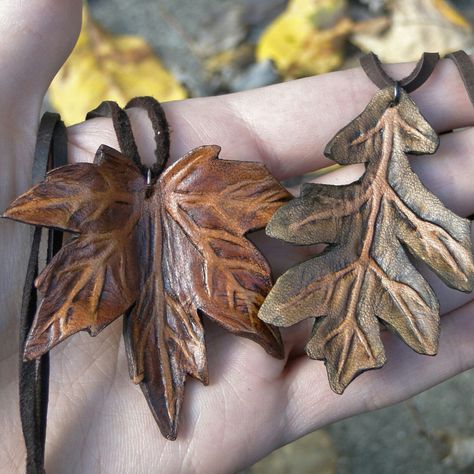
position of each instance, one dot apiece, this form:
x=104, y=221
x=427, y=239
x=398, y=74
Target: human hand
x=98, y=420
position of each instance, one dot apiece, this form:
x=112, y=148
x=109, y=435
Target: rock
x=257, y=75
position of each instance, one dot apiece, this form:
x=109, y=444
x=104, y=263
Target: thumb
x=37, y=36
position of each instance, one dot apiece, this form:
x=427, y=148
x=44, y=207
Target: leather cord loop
x=50, y=152
x=160, y=126
x=373, y=68
x=124, y=133
x=122, y=128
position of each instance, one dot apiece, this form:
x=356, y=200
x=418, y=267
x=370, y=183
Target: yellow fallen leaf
x=418, y=26
x=107, y=67
x=307, y=38
x=451, y=14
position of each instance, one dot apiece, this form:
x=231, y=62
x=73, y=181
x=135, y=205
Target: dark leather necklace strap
x=157, y=117
x=50, y=152
x=58, y=158
x=122, y=127
x=373, y=68
x=44, y=141
x=34, y=375
x=466, y=69
x=124, y=132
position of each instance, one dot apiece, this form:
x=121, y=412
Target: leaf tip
x=266, y=313
x=277, y=226
x=204, y=377
x=10, y=212
x=216, y=149
x=271, y=314
x=168, y=426
x=336, y=387
x=137, y=378
x=105, y=150
x=467, y=285
x=340, y=380
x=328, y=150
x=432, y=351
x=430, y=345
x=210, y=152
x=205, y=151
x=33, y=350
x=171, y=436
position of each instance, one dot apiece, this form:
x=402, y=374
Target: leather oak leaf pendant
x=161, y=253
x=372, y=226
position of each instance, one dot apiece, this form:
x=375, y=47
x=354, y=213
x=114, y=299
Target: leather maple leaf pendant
x=163, y=253
x=365, y=274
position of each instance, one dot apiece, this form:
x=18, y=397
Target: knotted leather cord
x=50, y=152
x=123, y=130
x=373, y=68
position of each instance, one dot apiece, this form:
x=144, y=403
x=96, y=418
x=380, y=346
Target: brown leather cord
x=50, y=152
x=124, y=133
x=160, y=126
x=466, y=70
x=34, y=375
x=373, y=68
x=122, y=127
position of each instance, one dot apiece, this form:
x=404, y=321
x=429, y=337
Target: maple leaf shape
x=94, y=277
x=372, y=225
x=163, y=254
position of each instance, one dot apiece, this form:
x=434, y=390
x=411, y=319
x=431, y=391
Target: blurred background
x=174, y=49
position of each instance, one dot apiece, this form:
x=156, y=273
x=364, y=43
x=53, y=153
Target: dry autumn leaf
x=107, y=67
x=418, y=26
x=165, y=253
x=307, y=38
x=365, y=274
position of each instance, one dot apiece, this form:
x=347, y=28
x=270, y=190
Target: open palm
x=98, y=420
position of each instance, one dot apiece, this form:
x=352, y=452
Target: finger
x=287, y=125
x=37, y=37
x=311, y=403
x=293, y=122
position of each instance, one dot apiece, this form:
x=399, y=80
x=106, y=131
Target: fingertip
x=41, y=34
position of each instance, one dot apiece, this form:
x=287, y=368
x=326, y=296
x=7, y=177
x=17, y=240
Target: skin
x=98, y=420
